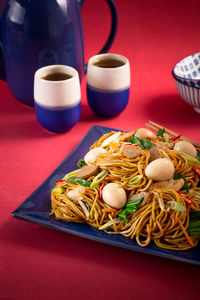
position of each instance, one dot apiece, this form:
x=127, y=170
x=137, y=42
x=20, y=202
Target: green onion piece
x=176, y=205
x=109, y=223
x=81, y=163
x=135, y=179
x=70, y=174
x=191, y=159
x=166, y=137
x=59, y=190
x=77, y=180
x=99, y=178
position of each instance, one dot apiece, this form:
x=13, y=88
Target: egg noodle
x=163, y=214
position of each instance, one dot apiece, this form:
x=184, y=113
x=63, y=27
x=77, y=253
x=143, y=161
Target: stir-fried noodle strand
x=154, y=218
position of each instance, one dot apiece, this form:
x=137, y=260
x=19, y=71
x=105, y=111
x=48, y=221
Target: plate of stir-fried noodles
x=137, y=190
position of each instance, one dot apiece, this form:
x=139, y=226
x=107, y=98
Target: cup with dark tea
x=57, y=97
x=108, y=83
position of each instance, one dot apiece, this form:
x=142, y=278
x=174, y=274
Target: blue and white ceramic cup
x=57, y=97
x=108, y=83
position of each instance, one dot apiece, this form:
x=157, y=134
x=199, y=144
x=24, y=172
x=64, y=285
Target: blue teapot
x=37, y=33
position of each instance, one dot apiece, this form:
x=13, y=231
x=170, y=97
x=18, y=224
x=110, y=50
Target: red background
x=40, y=263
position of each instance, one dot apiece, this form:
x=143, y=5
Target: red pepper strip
x=174, y=138
x=128, y=144
x=101, y=189
x=60, y=181
x=186, y=199
x=196, y=170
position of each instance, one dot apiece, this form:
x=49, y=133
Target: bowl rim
x=183, y=78
x=187, y=83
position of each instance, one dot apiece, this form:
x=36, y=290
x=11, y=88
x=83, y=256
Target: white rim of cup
x=58, y=84
x=109, y=79
x=55, y=68
x=110, y=55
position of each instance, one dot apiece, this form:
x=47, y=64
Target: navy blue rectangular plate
x=37, y=206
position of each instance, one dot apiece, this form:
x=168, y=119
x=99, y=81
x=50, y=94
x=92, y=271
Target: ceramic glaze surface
x=189, y=67
x=186, y=74
x=106, y=103
x=55, y=94
x=57, y=103
x=108, y=87
x=58, y=120
x=37, y=33
x=189, y=94
x=110, y=79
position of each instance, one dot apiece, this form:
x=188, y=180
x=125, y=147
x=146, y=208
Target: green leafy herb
x=185, y=186
x=134, y=203
x=198, y=154
x=143, y=143
x=194, y=225
x=81, y=163
x=130, y=207
x=77, y=180
x=122, y=215
x=135, y=140
x=161, y=132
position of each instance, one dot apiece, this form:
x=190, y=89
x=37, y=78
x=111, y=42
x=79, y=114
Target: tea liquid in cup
x=108, y=83
x=57, y=97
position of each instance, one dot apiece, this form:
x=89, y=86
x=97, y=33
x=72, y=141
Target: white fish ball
x=186, y=147
x=114, y=195
x=144, y=133
x=160, y=169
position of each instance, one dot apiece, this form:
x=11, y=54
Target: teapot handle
x=113, y=29
x=2, y=66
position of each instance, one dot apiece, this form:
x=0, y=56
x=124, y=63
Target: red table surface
x=40, y=263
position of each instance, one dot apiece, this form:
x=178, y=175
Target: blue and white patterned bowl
x=187, y=79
